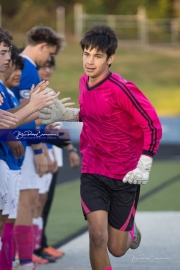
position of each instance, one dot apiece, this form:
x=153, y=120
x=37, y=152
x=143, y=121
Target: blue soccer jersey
x=29, y=77
x=16, y=163
x=7, y=103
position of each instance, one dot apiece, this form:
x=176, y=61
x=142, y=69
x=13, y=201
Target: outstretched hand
x=56, y=112
x=7, y=119
x=40, y=99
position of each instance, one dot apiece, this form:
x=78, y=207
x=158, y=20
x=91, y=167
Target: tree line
x=22, y=14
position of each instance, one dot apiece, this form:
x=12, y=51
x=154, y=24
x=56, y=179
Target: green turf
x=161, y=172
x=167, y=199
x=66, y=216
x=155, y=73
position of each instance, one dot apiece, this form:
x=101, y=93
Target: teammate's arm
x=38, y=100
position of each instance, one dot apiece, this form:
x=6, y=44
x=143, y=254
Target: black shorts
x=117, y=198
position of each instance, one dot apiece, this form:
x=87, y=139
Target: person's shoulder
x=120, y=81
x=3, y=87
x=117, y=81
x=83, y=77
x=28, y=65
x=117, y=78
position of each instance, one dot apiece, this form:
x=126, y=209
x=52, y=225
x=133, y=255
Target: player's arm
x=16, y=109
x=7, y=119
x=139, y=107
x=38, y=100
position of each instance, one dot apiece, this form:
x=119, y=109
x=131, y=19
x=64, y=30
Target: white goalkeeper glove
x=58, y=112
x=140, y=175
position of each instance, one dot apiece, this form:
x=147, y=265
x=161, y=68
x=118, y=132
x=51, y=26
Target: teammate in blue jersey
x=42, y=43
x=37, y=96
x=5, y=44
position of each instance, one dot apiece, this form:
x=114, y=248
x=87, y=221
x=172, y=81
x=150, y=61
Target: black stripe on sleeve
x=141, y=110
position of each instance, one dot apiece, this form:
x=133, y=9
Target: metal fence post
x=175, y=27
x=60, y=20
x=111, y=20
x=142, y=25
x=78, y=20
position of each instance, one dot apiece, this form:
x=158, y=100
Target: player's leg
x=47, y=208
x=124, y=200
x=44, y=245
x=38, y=220
x=23, y=231
x=95, y=201
x=15, y=181
x=98, y=237
x=4, y=204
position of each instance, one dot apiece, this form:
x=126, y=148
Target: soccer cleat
x=39, y=260
x=53, y=252
x=137, y=237
x=29, y=266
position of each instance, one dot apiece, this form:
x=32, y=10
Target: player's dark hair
x=19, y=62
x=40, y=34
x=5, y=37
x=16, y=59
x=14, y=53
x=7, y=33
x=101, y=37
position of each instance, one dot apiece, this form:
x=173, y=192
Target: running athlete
x=120, y=135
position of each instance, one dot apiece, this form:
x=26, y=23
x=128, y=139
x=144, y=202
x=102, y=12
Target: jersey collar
x=30, y=60
x=99, y=83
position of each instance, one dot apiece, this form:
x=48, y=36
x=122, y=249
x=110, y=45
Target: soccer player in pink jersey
x=120, y=135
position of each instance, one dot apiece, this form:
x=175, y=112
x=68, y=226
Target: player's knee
x=98, y=238
x=117, y=251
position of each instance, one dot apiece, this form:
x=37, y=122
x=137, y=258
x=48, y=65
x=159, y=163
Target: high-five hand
x=59, y=111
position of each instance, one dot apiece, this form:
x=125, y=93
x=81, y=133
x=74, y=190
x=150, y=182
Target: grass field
x=156, y=73
x=66, y=215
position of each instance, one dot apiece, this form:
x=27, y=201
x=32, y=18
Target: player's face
x=96, y=64
x=45, y=53
x=45, y=72
x=9, y=70
x=5, y=57
x=14, y=79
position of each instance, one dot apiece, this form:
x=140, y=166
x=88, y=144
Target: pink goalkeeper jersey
x=119, y=124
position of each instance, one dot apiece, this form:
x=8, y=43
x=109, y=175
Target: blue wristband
x=38, y=151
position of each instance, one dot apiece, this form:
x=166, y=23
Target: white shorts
x=13, y=194
x=46, y=179
x=30, y=179
x=4, y=178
